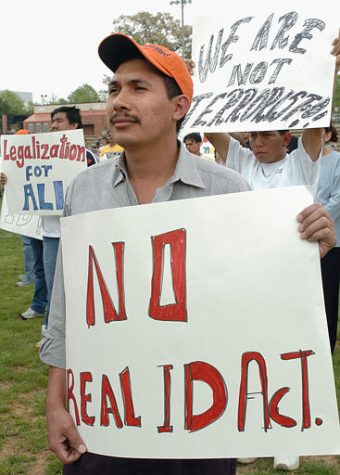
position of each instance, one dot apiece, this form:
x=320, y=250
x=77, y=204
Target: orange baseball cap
x=117, y=48
x=22, y=132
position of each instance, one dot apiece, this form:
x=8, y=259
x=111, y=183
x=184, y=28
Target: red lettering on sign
x=110, y=313
x=302, y=355
x=284, y=421
x=70, y=395
x=177, y=311
x=166, y=427
x=200, y=371
x=85, y=377
x=108, y=394
x=247, y=358
x=130, y=418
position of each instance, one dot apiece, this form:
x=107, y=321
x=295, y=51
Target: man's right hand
x=3, y=178
x=63, y=437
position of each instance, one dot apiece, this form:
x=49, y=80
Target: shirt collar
x=186, y=169
x=120, y=172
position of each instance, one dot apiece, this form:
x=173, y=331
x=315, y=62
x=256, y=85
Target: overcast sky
x=51, y=47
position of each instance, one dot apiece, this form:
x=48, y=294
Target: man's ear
x=287, y=138
x=182, y=106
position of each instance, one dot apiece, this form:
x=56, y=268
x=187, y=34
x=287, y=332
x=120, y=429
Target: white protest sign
x=262, y=66
x=213, y=341
x=24, y=224
x=39, y=168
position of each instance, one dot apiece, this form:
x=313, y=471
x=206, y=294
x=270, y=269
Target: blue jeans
x=39, y=301
x=50, y=258
x=28, y=260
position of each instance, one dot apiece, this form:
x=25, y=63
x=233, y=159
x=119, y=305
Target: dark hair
x=334, y=133
x=72, y=114
x=195, y=136
x=173, y=90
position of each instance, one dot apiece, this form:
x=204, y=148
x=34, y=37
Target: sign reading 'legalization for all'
x=39, y=168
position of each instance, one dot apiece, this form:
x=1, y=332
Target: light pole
x=43, y=98
x=182, y=3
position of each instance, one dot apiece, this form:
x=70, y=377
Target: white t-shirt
x=296, y=168
x=50, y=226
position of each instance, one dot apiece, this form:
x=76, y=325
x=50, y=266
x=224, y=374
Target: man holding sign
x=149, y=96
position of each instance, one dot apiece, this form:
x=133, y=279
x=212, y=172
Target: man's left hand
x=316, y=224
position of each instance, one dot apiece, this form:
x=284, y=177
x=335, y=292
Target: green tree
x=84, y=93
x=336, y=95
x=11, y=104
x=162, y=29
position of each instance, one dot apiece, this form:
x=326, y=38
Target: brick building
x=93, y=117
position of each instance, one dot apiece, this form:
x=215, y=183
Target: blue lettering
x=41, y=195
x=59, y=194
x=28, y=192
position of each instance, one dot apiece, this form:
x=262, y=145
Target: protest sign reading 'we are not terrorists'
x=263, y=68
x=39, y=167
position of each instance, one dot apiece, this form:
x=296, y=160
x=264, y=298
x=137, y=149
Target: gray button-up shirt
x=106, y=186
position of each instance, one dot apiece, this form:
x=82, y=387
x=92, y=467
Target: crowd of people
x=145, y=110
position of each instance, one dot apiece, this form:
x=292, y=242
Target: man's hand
x=336, y=52
x=316, y=224
x=63, y=437
x=3, y=178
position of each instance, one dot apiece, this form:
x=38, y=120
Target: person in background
x=111, y=149
x=45, y=251
x=27, y=278
x=328, y=194
x=193, y=142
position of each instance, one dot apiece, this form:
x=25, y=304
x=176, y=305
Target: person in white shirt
x=267, y=164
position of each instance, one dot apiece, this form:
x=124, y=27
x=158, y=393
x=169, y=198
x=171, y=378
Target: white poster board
x=263, y=66
x=39, y=167
x=24, y=224
x=207, y=298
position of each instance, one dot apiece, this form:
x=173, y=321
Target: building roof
x=46, y=117
x=42, y=117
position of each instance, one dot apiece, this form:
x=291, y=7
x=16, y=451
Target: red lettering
x=45, y=149
x=5, y=154
x=243, y=395
x=284, y=421
x=107, y=393
x=166, y=427
x=176, y=311
x=110, y=313
x=200, y=371
x=130, y=418
x=73, y=152
x=70, y=395
x=85, y=377
x=13, y=153
x=302, y=355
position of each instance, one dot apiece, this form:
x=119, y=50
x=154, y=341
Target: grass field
x=23, y=439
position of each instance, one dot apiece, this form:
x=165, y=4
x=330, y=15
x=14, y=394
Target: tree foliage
x=12, y=104
x=84, y=93
x=162, y=29
x=336, y=96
